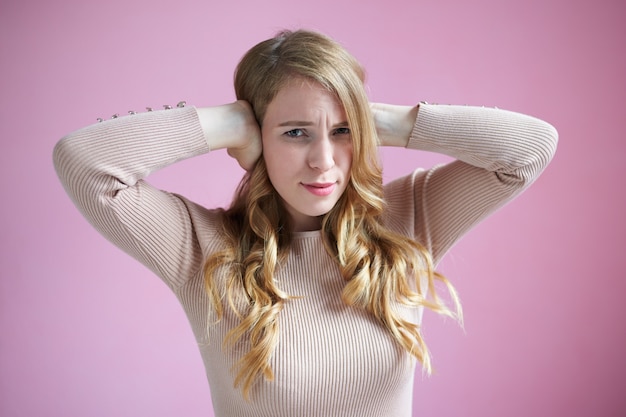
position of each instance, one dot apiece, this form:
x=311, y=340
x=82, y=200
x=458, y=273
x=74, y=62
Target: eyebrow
x=302, y=123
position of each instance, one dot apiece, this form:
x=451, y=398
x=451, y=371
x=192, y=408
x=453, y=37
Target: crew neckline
x=307, y=234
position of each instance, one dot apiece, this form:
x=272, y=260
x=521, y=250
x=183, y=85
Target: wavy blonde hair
x=382, y=269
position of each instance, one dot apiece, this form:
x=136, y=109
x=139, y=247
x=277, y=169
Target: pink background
x=85, y=331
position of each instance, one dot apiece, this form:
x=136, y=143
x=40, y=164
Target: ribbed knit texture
x=332, y=360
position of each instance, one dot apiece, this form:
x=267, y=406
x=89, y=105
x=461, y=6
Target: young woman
x=306, y=295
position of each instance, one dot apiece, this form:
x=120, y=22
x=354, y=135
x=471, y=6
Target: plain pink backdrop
x=86, y=331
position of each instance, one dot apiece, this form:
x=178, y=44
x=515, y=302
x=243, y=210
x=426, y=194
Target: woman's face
x=307, y=149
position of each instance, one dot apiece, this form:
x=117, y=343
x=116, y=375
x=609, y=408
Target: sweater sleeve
x=498, y=154
x=102, y=168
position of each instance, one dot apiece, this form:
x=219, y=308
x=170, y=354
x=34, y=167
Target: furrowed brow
x=297, y=123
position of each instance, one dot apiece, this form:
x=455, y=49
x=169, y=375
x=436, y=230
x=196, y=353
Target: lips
x=320, y=189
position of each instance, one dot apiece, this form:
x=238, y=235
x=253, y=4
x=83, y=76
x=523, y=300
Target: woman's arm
x=498, y=154
x=102, y=169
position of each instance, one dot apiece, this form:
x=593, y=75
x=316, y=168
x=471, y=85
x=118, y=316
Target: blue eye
x=294, y=133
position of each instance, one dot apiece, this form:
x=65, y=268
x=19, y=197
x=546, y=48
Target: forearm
x=130, y=147
x=492, y=139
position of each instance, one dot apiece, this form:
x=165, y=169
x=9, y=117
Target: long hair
x=382, y=269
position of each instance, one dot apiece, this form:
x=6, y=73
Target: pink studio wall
x=85, y=331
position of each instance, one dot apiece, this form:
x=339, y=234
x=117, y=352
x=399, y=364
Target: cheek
x=279, y=161
x=269, y=155
x=346, y=158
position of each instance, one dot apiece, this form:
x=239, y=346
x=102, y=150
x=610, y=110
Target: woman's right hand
x=394, y=123
x=249, y=151
x=233, y=127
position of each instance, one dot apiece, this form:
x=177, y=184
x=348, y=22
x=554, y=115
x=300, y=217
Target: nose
x=321, y=153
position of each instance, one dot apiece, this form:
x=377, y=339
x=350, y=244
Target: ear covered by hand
x=233, y=127
x=249, y=146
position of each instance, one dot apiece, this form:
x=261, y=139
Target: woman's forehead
x=302, y=100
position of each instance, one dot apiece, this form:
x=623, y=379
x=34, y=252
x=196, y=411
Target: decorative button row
x=180, y=105
x=466, y=105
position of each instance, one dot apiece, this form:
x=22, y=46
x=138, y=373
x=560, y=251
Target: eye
x=342, y=131
x=294, y=133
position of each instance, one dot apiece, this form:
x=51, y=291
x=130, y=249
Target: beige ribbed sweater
x=331, y=360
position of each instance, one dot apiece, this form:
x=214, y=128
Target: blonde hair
x=382, y=269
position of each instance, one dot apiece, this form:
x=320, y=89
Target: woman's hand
x=233, y=127
x=249, y=150
x=394, y=123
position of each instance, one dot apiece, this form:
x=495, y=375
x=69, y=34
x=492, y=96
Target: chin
x=322, y=211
